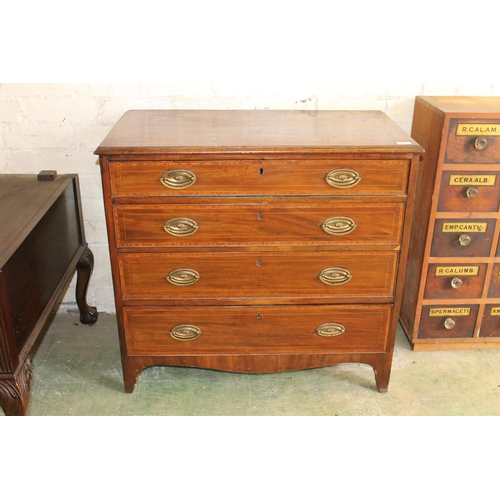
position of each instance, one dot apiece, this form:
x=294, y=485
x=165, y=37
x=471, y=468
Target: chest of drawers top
x=157, y=132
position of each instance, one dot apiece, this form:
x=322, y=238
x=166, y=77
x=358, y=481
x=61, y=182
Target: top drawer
x=259, y=177
x=473, y=141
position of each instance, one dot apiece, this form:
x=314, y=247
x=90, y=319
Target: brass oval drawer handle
x=335, y=276
x=185, y=332
x=180, y=227
x=472, y=192
x=465, y=240
x=342, y=178
x=338, y=226
x=456, y=283
x=330, y=330
x=183, y=277
x=449, y=323
x=480, y=143
x=178, y=179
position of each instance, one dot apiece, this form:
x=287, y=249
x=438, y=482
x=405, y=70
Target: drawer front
x=448, y=321
x=184, y=225
x=247, y=178
x=256, y=330
x=473, y=141
x=494, y=290
x=252, y=275
x=490, y=326
x=469, y=192
x=452, y=281
x=462, y=237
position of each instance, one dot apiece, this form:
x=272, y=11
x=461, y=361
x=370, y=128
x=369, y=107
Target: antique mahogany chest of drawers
x=451, y=298
x=257, y=241
x=42, y=244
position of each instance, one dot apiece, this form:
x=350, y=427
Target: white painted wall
x=219, y=55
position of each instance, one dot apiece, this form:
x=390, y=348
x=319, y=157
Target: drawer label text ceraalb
x=457, y=271
x=472, y=180
x=478, y=129
x=464, y=227
x=449, y=311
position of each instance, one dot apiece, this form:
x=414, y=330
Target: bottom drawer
x=256, y=330
x=490, y=326
x=452, y=321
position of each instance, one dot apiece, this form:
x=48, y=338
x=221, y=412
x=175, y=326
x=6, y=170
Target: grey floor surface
x=77, y=371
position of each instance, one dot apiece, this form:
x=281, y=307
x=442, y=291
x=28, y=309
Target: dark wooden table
x=42, y=243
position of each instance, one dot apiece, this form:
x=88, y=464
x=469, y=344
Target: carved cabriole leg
x=84, y=268
x=14, y=393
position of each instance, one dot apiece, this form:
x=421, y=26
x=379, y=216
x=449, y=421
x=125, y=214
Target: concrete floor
x=77, y=371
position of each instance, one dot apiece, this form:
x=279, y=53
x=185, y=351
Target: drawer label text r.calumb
x=457, y=271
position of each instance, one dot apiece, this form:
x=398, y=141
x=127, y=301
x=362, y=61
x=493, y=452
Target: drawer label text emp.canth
x=472, y=180
x=449, y=311
x=468, y=227
x=457, y=271
x=478, y=129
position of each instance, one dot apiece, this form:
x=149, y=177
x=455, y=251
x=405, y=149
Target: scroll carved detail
x=14, y=393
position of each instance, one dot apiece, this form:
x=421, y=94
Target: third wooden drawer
x=322, y=276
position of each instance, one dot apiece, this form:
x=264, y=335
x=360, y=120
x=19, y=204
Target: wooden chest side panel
x=427, y=130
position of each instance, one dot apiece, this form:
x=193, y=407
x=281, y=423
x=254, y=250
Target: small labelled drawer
x=260, y=224
x=448, y=321
x=494, y=290
x=256, y=330
x=469, y=192
x=473, y=141
x=490, y=326
x=462, y=237
x=455, y=281
x=259, y=177
x=256, y=276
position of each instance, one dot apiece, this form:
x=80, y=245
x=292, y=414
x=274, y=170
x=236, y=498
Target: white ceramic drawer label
x=472, y=180
x=449, y=311
x=467, y=227
x=457, y=271
x=478, y=129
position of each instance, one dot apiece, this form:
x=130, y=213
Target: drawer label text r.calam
x=478, y=129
